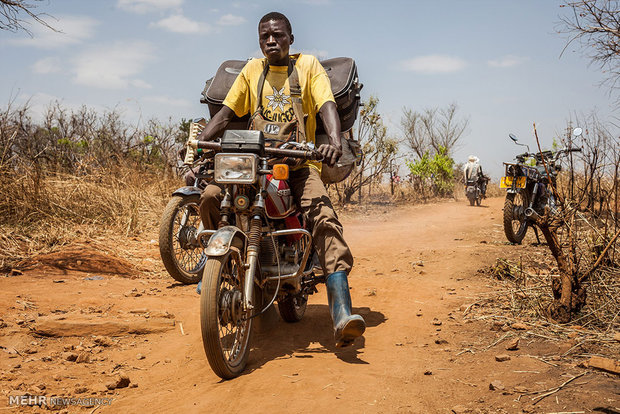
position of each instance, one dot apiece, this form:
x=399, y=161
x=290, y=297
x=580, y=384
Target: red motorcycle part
x=279, y=202
x=292, y=222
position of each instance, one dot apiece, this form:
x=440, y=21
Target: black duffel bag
x=342, y=73
x=217, y=88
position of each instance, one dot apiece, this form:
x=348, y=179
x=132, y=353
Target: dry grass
x=43, y=211
x=522, y=293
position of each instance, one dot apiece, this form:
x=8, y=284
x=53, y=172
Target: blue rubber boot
x=347, y=327
x=199, y=287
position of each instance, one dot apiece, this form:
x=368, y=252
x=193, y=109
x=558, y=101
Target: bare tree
x=595, y=24
x=418, y=129
x=449, y=129
x=581, y=237
x=434, y=130
x=12, y=10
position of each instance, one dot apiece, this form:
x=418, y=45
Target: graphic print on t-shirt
x=279, y=107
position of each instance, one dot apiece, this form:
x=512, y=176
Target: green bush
x=438, y=171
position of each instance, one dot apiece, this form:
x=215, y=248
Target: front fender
x=187, y=191
x=220, y=241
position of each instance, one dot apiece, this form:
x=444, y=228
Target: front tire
x=515, y=223
x=225, y=327
x=181, y=254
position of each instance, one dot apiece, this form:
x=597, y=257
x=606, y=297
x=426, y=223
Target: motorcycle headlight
x=235, y=168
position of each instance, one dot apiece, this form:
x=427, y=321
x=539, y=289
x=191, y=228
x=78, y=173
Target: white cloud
x=434, y=64
x=320, y=54
x=231, y=20
x=47, y=65
x=181, y=24
x=72, y=30
x=114, y=67
x=167, y=101
x=507, y=61
x=145, y=6
x=245, y=5
x=139, y=83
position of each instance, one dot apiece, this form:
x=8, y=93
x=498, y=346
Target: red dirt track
x=415, y=272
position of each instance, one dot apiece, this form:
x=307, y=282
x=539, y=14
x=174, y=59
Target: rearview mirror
x=577, y=132
x=513, y=137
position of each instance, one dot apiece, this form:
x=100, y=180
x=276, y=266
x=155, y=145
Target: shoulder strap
x=261, y=83
x=295, y=88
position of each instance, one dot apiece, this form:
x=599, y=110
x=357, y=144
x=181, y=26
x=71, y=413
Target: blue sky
x=499, y=60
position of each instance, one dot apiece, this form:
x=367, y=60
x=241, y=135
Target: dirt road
x=415, y=273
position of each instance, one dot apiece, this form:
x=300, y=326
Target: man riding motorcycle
x=473, y=170
x=284, y=93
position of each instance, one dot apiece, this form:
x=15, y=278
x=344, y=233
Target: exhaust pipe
x=531, y=214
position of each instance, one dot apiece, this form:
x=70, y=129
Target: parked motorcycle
x=473, y=192
x=180, y=225
x=260, y=253
x=528, y=190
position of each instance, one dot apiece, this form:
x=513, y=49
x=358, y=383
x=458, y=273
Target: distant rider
x=473, y=170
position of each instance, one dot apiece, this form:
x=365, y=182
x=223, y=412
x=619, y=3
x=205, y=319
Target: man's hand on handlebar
x=331, y=153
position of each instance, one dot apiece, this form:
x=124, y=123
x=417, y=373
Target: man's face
x=275, y=41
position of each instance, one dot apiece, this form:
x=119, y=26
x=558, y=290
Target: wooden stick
x=544, y=161
x=498, y=341
x=556, y=389
x=600, y=258
x=540, y=359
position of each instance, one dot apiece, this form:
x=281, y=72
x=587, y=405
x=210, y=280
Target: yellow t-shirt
x=276, y=99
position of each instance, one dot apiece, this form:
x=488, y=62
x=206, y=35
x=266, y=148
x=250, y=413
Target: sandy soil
x=415, y=273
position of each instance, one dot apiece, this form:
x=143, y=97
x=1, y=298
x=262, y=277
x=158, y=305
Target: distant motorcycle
x=182, y=255
x=473, y=192
x=528, y=190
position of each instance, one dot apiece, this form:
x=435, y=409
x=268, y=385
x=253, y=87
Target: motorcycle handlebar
x=566, y=151
x=534, y=154
x=311, y=155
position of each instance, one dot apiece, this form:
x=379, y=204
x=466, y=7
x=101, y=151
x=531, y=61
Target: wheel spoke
x=232, y=335
x=188, y=258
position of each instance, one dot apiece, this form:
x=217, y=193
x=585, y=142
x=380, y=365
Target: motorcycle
x=182, y=255
x=528, y=191
x=473, y=192
x=260, y=252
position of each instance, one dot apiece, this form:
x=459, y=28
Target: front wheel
x=515, y=223
x=225, y=326
x=183, y=257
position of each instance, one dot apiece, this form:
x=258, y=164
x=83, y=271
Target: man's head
x=472, y=158
x=275, y=37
